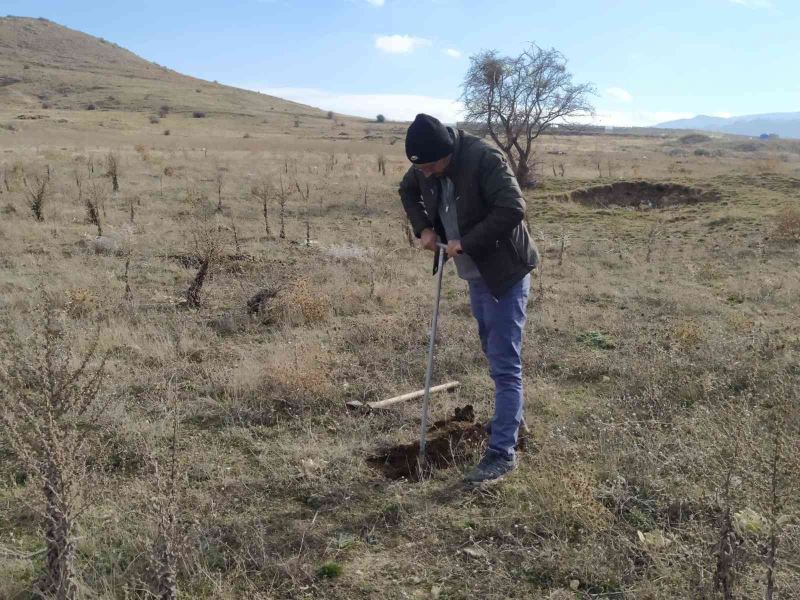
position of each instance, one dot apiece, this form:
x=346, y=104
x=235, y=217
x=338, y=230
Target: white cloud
x=376, y=2
x=753, y=3
x=617, y=93
x=453, y=53
x=634, y=118
x=399, y=44
x=396, y=107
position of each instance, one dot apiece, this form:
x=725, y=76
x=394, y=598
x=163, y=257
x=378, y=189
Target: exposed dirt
x=642, y=194
x=451, y=442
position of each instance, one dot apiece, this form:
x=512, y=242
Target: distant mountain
x=46, y=65
x=786, y=125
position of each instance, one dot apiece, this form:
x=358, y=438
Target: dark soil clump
x=642, y=194
x=451, y=442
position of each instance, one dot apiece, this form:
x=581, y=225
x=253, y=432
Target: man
x=461, y=191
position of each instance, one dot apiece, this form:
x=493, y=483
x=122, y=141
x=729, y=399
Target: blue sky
x=649, y=60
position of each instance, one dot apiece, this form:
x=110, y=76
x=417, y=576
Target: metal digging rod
x=423, y=429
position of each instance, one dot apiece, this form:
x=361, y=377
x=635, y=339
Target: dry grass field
x=661, y=366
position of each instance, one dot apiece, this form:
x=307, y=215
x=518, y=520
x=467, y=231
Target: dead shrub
x=298, y=303
x=48, y=402
x=787, y=226
x=80, y=303
x=207, y=245
x=37, y=190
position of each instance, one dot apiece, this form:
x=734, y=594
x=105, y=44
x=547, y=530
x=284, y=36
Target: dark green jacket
x=490, y=206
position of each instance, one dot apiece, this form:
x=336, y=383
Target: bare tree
x=208, y=245
x=516, y=99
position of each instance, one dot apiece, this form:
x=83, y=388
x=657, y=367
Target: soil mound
x=642, y=194
x=451, y=442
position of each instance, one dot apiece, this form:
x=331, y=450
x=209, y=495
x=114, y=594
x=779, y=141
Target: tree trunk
x=193, y=293
x=523, y=174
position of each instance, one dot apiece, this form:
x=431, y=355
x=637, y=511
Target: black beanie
x=427, y=140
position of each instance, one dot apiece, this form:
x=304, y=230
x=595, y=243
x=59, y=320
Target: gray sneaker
x=492, y=466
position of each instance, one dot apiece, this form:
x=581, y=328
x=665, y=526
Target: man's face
x=434, y=169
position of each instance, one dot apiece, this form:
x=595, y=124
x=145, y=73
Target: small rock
x=55, y=327
x=104, y=245
x=654, y=540
x=748, y=521
x=475, y=552
x=261, y=299
x=224, y=325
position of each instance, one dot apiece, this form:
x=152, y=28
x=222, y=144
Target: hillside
x=46, y=65
x=783, y=124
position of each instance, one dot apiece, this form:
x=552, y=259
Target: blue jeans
x=501, y=322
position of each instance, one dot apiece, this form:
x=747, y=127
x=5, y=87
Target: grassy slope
x=66, y=69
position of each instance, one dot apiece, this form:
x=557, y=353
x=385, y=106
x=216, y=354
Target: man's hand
x=454, y=248
x=428, y=239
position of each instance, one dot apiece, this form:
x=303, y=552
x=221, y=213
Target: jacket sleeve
x=506, y=205
x=412, y=203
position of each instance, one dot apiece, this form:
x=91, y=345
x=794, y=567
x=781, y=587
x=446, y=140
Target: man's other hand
x=428, y=239
x=454, y=248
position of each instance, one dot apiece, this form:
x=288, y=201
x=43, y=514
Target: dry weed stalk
x=48, y=400
x=112, y=170
x=235, y=236
x=382, y=164
x=307, y=198
x=263, y=192
x=128, y=291
x=282, y=197
x=164, y=550
x=37, y=192
x=94, y=201
x=728, y=543
x=563, y=239
x=780, y=467
x=652, y=237
x=79, y=185
x=219, y=180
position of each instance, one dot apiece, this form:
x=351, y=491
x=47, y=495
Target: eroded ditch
x=640, y=195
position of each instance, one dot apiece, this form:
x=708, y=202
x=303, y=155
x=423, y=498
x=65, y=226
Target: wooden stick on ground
x=402, y=398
